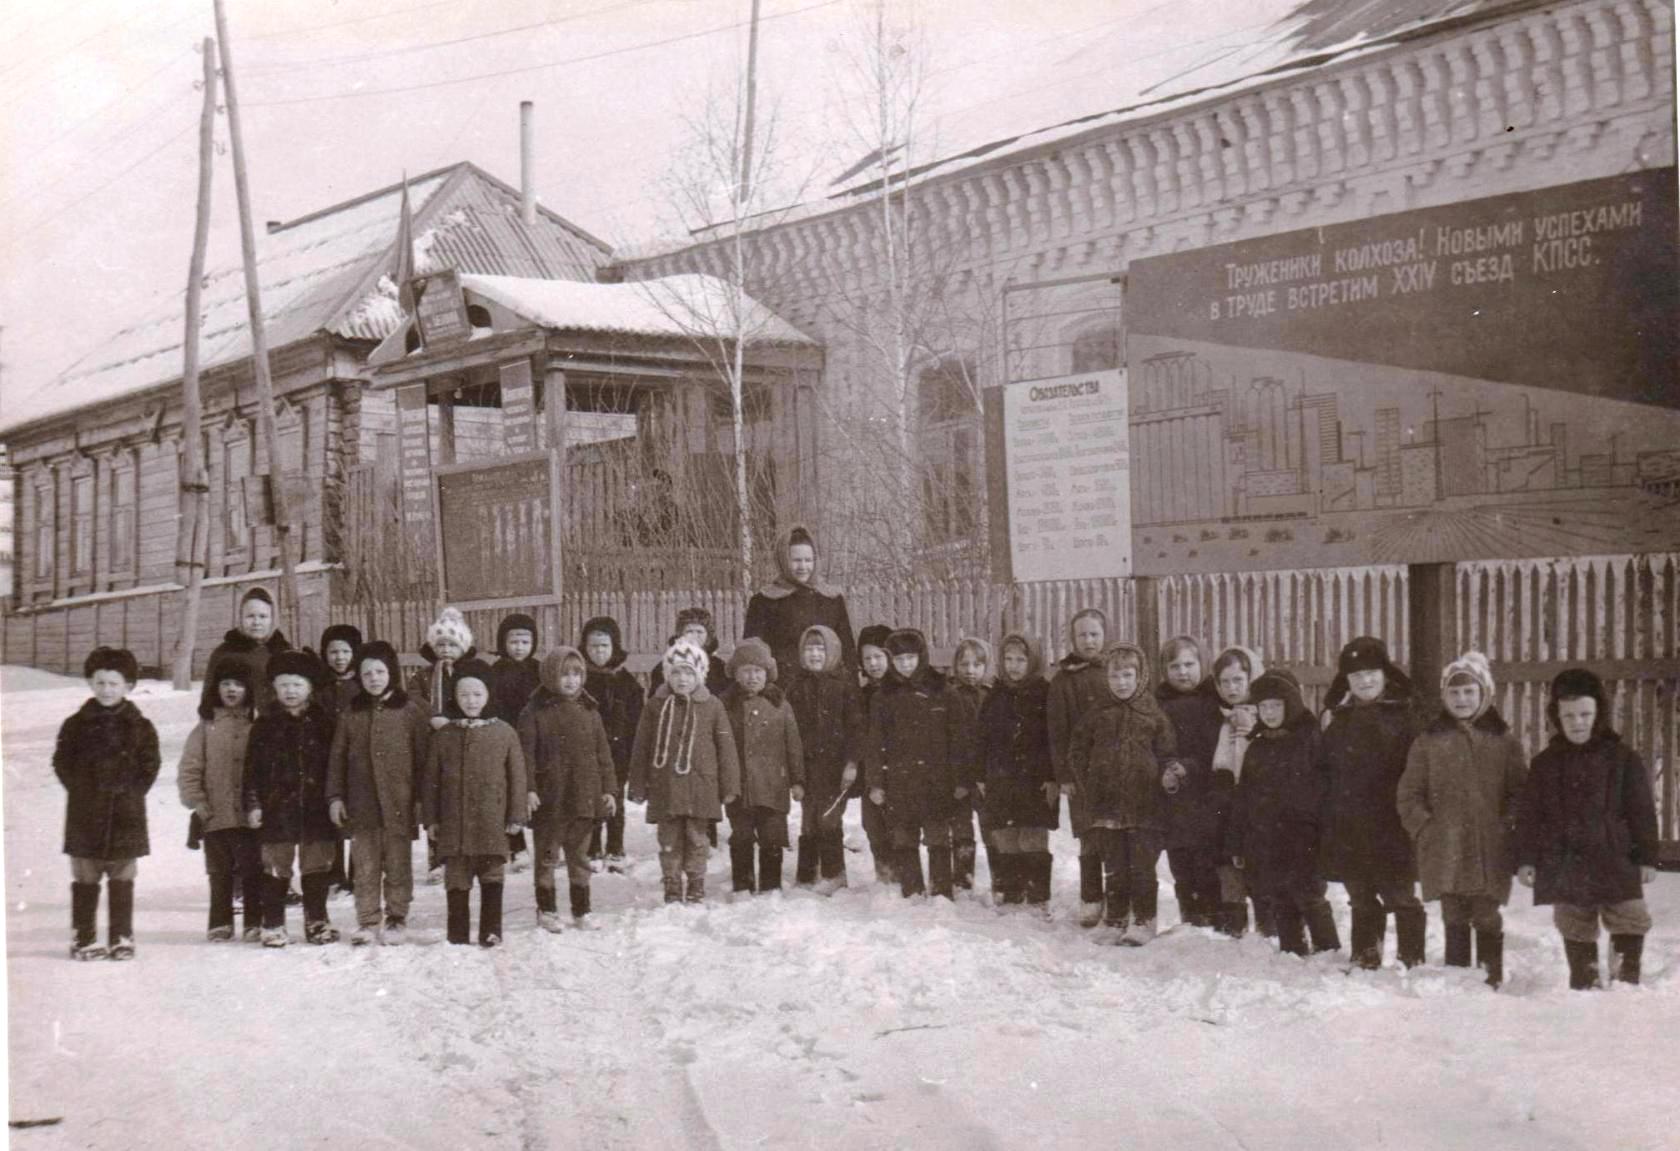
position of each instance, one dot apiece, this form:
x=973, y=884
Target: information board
x=1066, y=477
x=440, y=309
x=415, y=451
x=495, y=531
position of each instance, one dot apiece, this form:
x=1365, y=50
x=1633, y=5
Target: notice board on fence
x=1488, y=379
x=1059, y=463
x=496, y=538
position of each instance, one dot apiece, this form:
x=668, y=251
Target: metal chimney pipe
x=527, y=164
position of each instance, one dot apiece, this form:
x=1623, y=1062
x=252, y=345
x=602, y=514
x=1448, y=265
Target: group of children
x=1226, y=769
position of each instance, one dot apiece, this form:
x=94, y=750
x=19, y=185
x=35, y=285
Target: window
x=1096, y=350
x=950, y=443
x=81, y=526
x=123, y=514
x=236, y=469
x=44, y=531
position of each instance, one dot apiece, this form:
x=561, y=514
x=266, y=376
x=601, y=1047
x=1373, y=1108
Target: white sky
x=98, y=114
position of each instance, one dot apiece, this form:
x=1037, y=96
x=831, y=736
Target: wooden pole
x=193, y=536
x=289, y=605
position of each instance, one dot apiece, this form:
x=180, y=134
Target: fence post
x=1433, y=594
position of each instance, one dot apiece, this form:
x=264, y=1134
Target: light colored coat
x=1458, y=800
x=684, y=760
x=212, y=769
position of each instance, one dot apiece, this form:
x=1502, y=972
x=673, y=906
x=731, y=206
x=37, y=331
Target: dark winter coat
x=1588, y=822
x=1363, y=754
x=916, y=743
x=1193, y=814
x=378, y=754
x=473, y=787
x=684, y=760
x=252, y=656
x=107, y=759
x=516, y=681
x=1077, y=687
x=212, y=769
x=1013, y=744
x=617, y=694
x=829, y=711
x=1274, y=823
x=568, y=755
x=780, y=613
x=767, y=745
x=339, y=692
x=423, y=685
x=1458, y=800
x=286, y=774
x=1116, y=758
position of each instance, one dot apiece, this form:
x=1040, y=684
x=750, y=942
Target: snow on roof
x=683, y=306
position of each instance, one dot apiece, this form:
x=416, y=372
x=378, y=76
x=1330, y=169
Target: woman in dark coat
x=251, y=644
x=1022, y=799
x=1370, y=723
x=1188, y=695
x=780, y=613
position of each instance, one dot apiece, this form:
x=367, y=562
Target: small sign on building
x=440, y=309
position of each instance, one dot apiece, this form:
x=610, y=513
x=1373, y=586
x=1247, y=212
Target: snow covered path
x=787, y=1021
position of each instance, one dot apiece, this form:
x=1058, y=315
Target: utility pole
x=750, y=107
x=193, y=536
x=259, y=336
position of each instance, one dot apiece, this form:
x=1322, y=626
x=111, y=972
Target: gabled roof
x=326, y=272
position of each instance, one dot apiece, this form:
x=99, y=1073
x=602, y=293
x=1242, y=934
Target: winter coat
x=338, y=693
x=378, y=753
x=1276, y=807
x=1587, y=822
x=286, y=774
x=780, y=613
x=915, y=745
x=1012, y=741
x=1115, y=760
x=684, y=760
x=970, y=699
x=1458, y=801
x=424, y=688
x=1077, y=687
x=1193, y=811
x=252, y=656
x=107, y=759
x=212, y=769
x=767, y=745
x=568, y=756
x=516, y=681
x=829, y=711
x=1363, y=754
x=473, y=787
x=616, y=692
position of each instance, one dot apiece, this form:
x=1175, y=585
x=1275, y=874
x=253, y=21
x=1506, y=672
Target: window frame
x=84, y=525
x=123, y=518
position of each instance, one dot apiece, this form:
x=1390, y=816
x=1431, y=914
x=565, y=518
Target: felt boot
x=273, y=900
x=84, y=922
x=1583, y=964
x=120, y=930
x=770, y=867
x=831, y=861
x=941, y=881
x=460, y=915
x=1411, y=924
x=1490, y=956
x=962, y=865
x=1090, y=890
x=909, y=868
x=1321, y=926
x=806, y=863
x=1458, y=944
x=580, y=902
x=1291, y=928
x=696, y=890
x=489, y=914
x=1233, y=919
x=1265, y=917
x=741, y=866
x=1369, y=929
x=1117, y=908
x=316, y=927
x=221, y=903
x=548, y=909
x=1037, y=881
x=673, y=888
x=1625, y=950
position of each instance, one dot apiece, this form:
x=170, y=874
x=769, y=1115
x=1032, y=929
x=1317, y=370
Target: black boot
x=1265, y=917
x=770, y=867
x=1490, y=956
x=940, y=877
x=1321, y=927
x=1090, y=890
x=273, y=901
x=1233, y=919
x=548, y=900
x=909, y=867
x=580, y=901
x=84, y=921
x=1037, y=879
x=1458, y=944
x=807, y=862
x=1411, y=925
x=741, y=866
x=1117, y=907
x=831, y=858
x=1009, y=877
x=489, y=914
x=1583, y=964
x=460, y=915
x=962, y=866
x=1368, y=930
x=1290, y=926
x=221, y=905
x=1626, y=950
x=121, y=928
x=316, y=926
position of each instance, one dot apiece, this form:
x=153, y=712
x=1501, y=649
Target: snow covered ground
x=791, y=1021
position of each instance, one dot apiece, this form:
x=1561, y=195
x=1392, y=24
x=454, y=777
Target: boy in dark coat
x=873, y=664
x=772, y=767
x=518, y=674
x=1272, y=833
x=1079, y=684
x=971, y=676
x=106, y=757
x=286, y=797
x=568, y=758
x=685, y=767
x=472, y=797
x=252, y=643
x=1458, y=800
x=1363, y=754
x=373, y=772
x=211, y=781
x=695, y=624
x=1587, y=835
x=913, y=758
x=1018, y=789
x=1118, y=760
x=619, y=698
x=829, y=713
x=1188, y=695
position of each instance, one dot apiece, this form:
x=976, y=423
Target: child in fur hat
x=1019, y=794
x=1273, y=829
x=685, y=767
x=829, y=714
x=1118, y=760
x=517, y=676
x=971, y=676
x=619, y=698
x=472, y=797
x=211, y=781
x=1080, y=683
x=1587, y=841
x=772, y=767
x=1458, y=799
x=373, y=772
x=572, y=782
x=873, y=665
x=106, y=757
x=1368, y=731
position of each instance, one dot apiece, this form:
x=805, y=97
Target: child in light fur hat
x=1458, y=800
